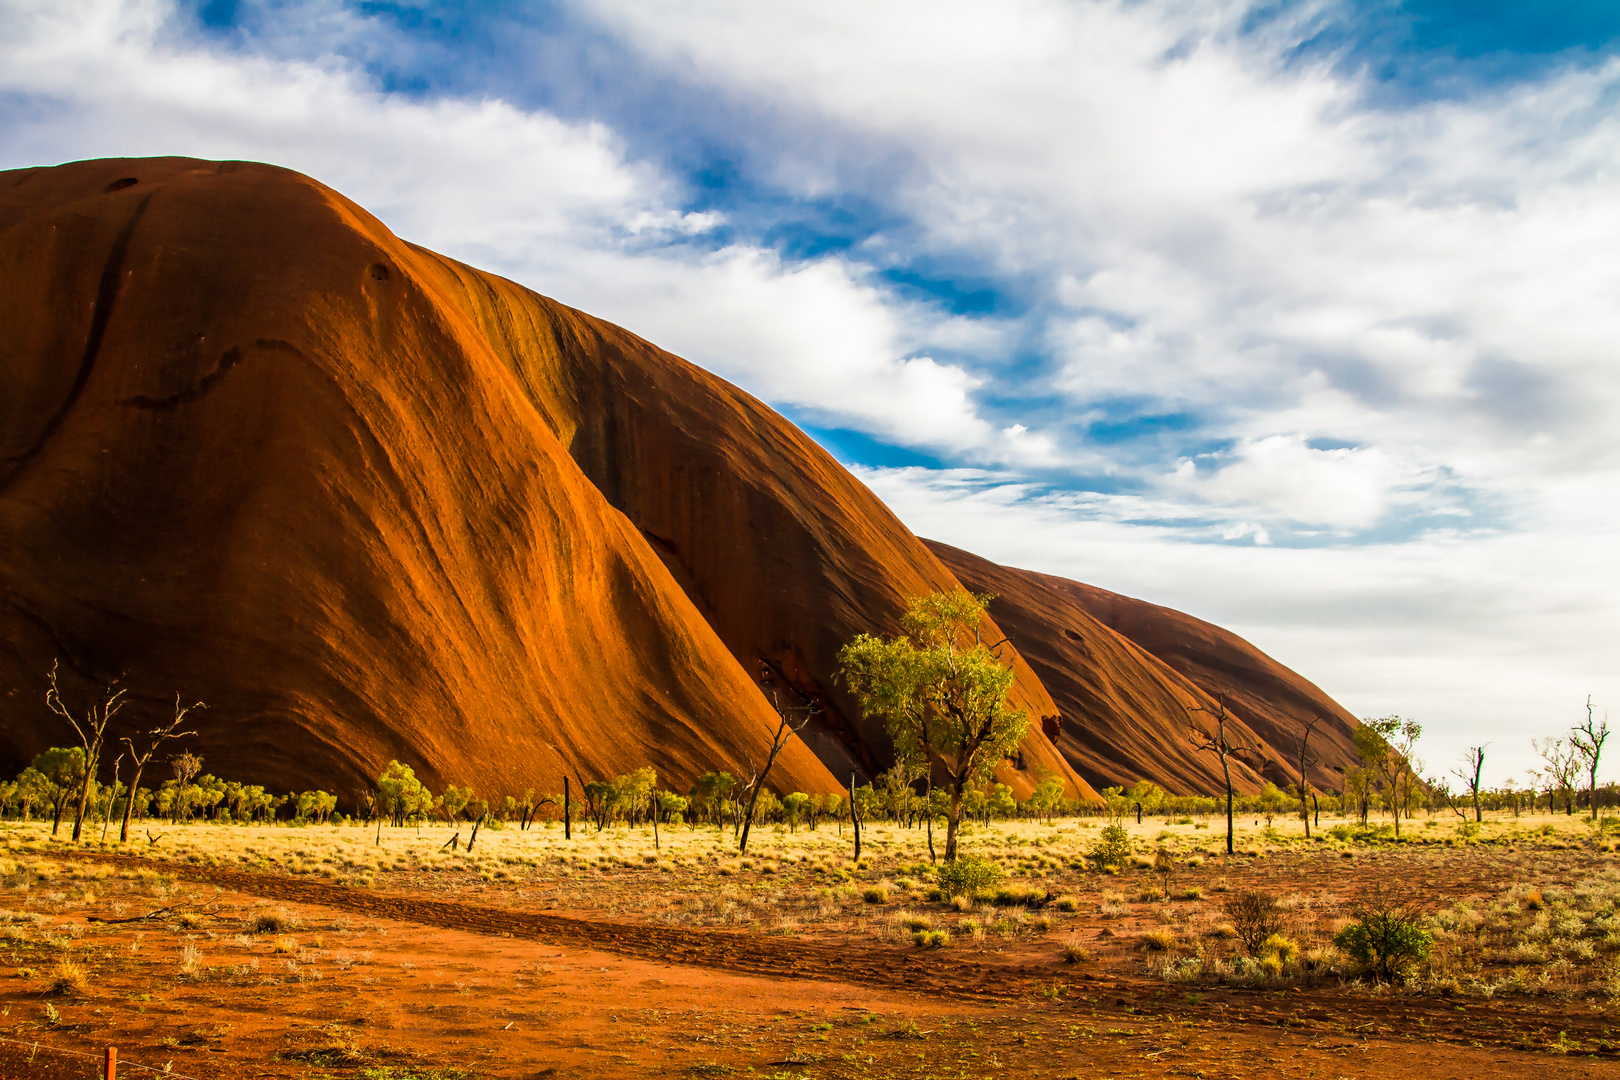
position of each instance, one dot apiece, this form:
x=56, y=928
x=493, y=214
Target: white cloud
x=561, y=207
x=1495, y=638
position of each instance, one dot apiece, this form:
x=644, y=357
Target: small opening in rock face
x=120, y=185
x=379, y=271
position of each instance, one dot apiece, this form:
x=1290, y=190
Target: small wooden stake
x=112, y=1063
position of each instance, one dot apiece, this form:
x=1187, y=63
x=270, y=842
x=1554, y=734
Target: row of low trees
x=56, y=780
x=942, y=694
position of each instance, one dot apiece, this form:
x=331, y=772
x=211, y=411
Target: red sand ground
x=413, y=985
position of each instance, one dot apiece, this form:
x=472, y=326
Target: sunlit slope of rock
x=257, y=450
x=1130, y=677
x=787, y=555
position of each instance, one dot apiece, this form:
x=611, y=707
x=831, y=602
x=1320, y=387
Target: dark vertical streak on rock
x=106, y=293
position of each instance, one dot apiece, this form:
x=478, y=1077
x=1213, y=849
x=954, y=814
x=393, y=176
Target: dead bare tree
x=791, y=719
x=1305, y=763
x=1588, y=741
x=1469, y=772
x=154, y=742
x=1562, y=771
x=1218, y=743
x=91, y=727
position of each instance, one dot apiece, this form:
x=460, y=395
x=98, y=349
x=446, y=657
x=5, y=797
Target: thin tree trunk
x=568, y=821
x=129, y=802
x=1226, y=770
x=953, y=818
x=854, y=817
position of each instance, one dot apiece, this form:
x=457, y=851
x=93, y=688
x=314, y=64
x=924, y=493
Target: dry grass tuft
x=68, y=977
x=1161, y=939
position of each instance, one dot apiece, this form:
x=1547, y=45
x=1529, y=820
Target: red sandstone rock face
x=256, y=449
x=370, y=503
x=1130, y=676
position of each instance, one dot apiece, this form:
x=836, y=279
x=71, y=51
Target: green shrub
x=968, y=876
x=1113, y=847
x=1387, y=937
x=931, y=939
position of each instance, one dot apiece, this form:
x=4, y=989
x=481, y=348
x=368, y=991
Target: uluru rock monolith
x=370, y=503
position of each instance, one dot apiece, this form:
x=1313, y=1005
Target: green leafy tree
x=33, y=787
x=709, y=794
x=400, y=796
x=63, y=770
x=1047, y=798
x=672, y=806
x=941, y=692
x=794, y=807
x=1386, y=745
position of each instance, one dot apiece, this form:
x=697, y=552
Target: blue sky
x=1298, y=316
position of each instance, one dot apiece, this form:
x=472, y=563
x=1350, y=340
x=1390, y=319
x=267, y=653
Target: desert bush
x=1073, y=952
x=1254, y=916
x=877, y=894
x=1113, y=847
x=912, y=921
x=1066, y=903
x=1388, y=936
x=968, y=876
x=931, y=939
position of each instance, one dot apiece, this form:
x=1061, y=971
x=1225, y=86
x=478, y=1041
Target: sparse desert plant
x=1066, y=903
x=877, y=894
x=190, y=956
x=931, y=939
x=1254, y=917
x=1073, y=952
x=284, y=944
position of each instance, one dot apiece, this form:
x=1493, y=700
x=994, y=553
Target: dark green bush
x=1388, y=937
